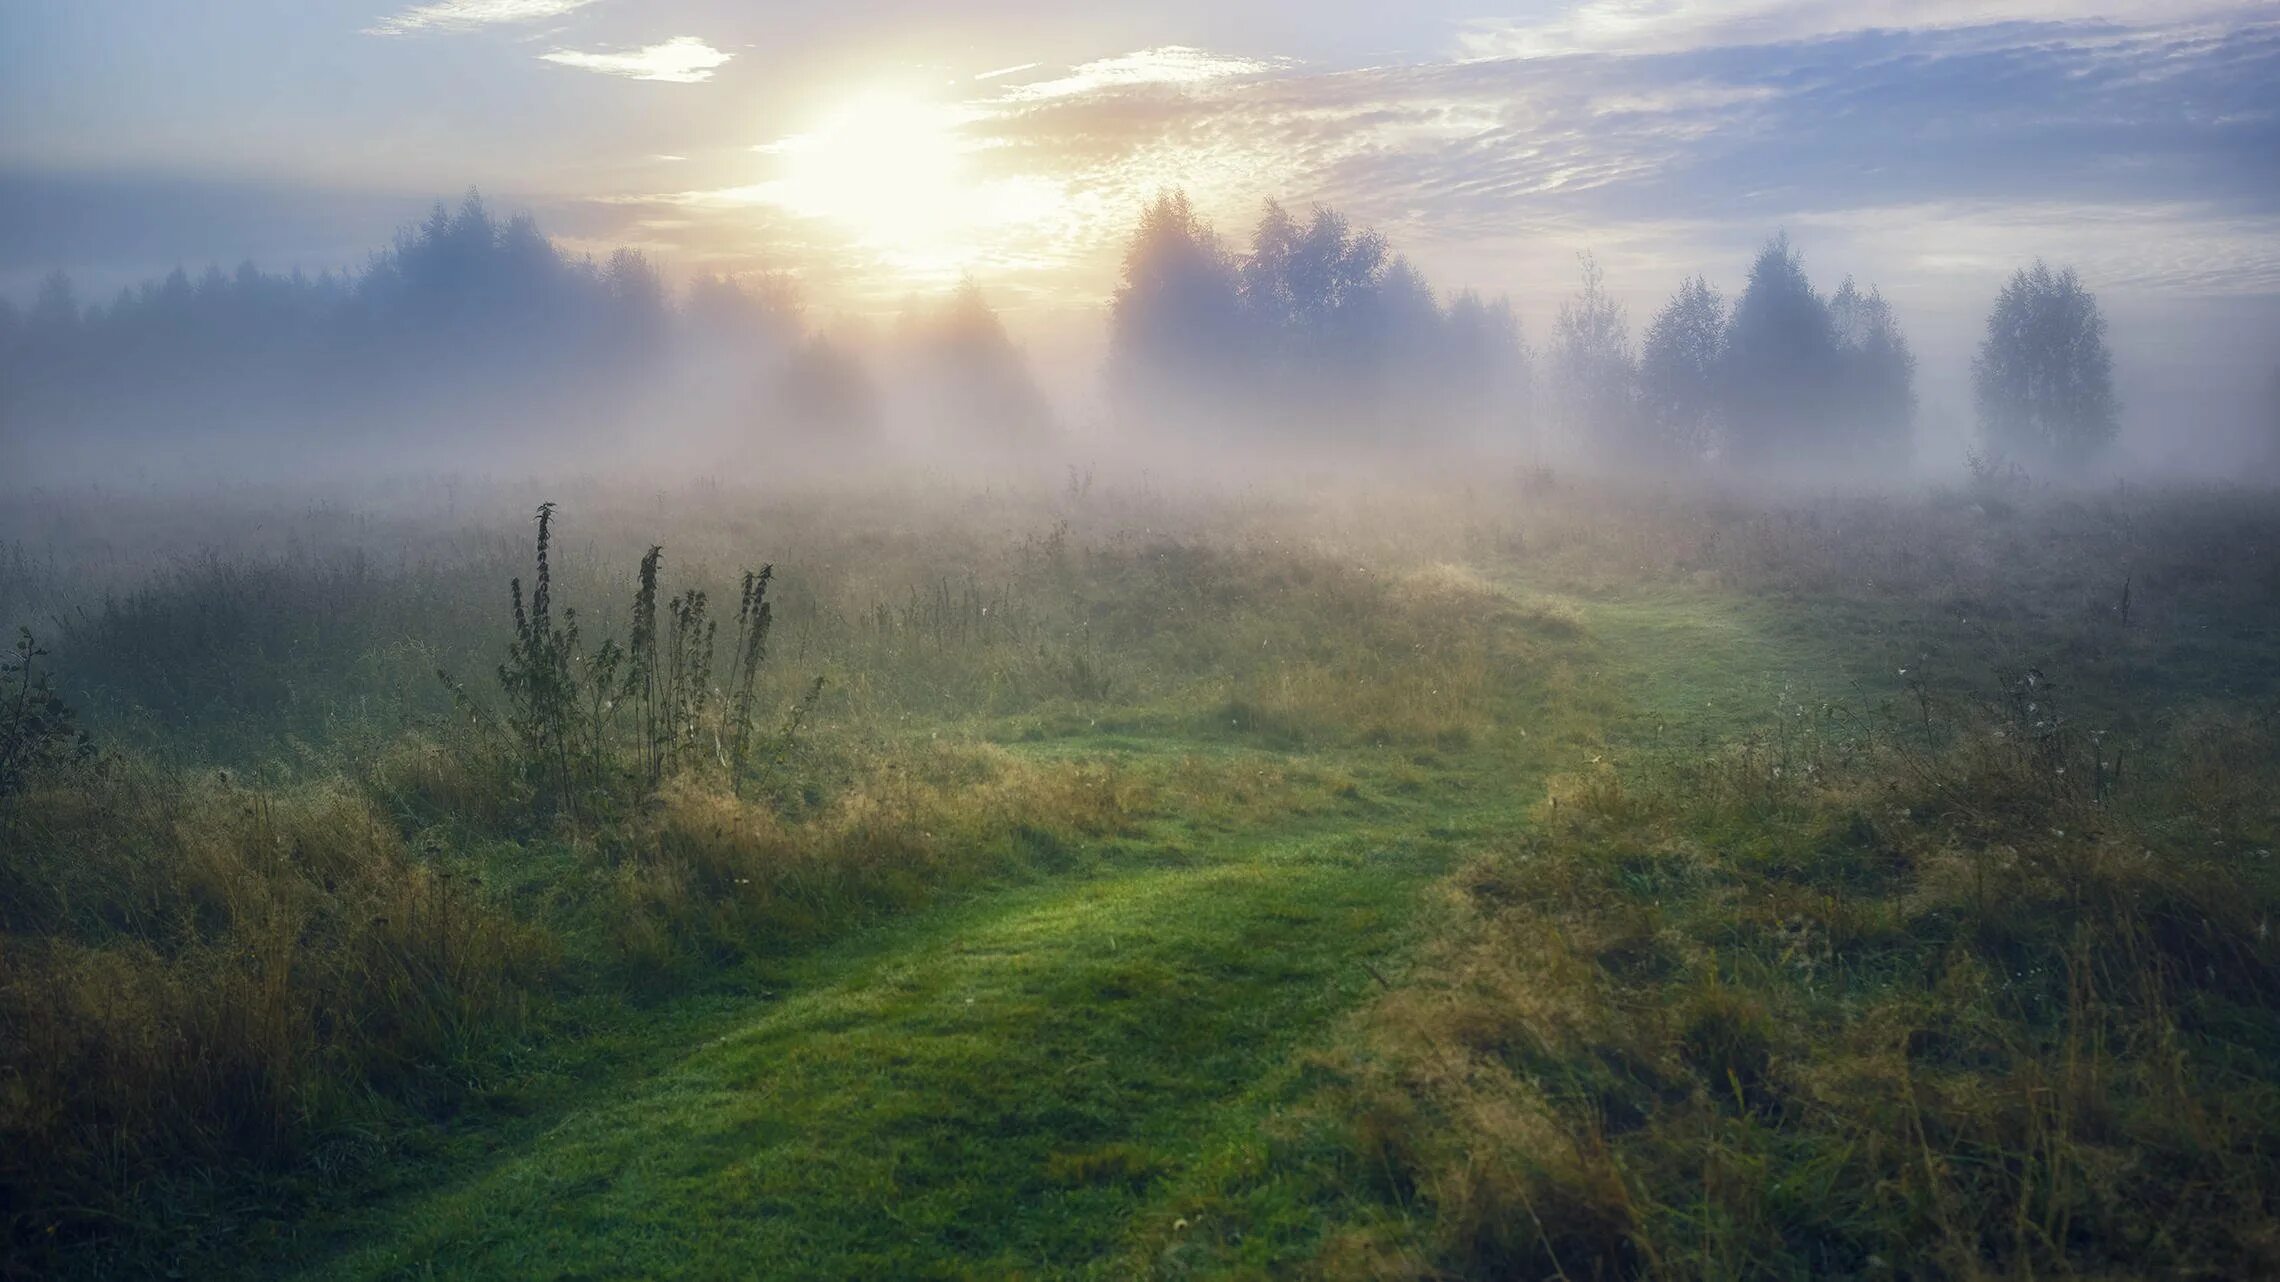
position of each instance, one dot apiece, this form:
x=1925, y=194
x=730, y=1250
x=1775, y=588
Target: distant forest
x=1320, y=327
x=477, y=330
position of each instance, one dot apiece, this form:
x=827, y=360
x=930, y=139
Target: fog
x=474, y=344
x=1208, y=640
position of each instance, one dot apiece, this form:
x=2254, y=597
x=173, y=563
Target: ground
x=1060, y=946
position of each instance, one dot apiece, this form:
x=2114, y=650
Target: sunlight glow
x=900, y=173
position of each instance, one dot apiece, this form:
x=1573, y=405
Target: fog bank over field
x=476, y=343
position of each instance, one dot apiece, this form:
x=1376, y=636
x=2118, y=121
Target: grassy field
x=1523, y=878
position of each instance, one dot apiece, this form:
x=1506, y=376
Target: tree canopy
x=1317, y=329
x=2043, y=381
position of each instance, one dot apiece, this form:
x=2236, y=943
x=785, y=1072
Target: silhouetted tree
x=971, y=382
x=1318, y=328
x=825, y=391
x=463, y=319
x=1317, y=312
x=1680, y=369
x=1348, y=335
x=1333, y=275
x=1784, y=367
x=55, y=308
x=1488, y=372
x=1264, y=275
x=1879, y=372
x=1406, y=354
x=763, y=310
x=737, y=334
x=1176, y=325
x=2044, y=378
x=1594, y=375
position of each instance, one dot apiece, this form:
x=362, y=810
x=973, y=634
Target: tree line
x=1314, y=330
x=471, y=326
x=1318, y=329
x=1784, y=377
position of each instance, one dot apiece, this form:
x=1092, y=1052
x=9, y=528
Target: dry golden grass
x=198, y=972
x=705, y=875
x=1898, y=1011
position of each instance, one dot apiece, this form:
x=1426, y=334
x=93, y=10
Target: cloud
x=1168, y=65
x=683, y=60
x=2140, y=152
x=1670, y=26
x=468, y=15
x=1463, y=148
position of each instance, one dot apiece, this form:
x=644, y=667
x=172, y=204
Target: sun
x=903, y=174
x=887, y=165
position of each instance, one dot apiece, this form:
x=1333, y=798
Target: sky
x=881, y=148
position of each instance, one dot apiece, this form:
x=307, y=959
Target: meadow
x=1504, y=875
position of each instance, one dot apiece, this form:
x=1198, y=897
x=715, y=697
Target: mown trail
x=1022, y=1084
x=998, y=1087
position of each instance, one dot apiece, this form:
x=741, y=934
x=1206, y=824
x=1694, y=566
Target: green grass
x=1012, y=1084
x=1070, y=1078
x=995, y=1089
x=1090, y=932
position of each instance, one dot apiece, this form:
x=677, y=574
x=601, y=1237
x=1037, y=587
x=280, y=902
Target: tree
x=826, y=393
x=1783, y=365
x=1593, y=373
x=1264, y=275
x=1679, y=372
x=1486, y=376
x=970, y=383
x=465, y=321
x=1879, y=384
x=1325, y=308
x=1176, y=330
x=754, y=315
x=637, y=302
x=2044, y=378
x=55, y=309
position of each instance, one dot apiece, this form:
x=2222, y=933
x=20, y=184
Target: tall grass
x=38, y=730
x=1837, y=1001
x=195, y=975
x=1873, y=985
x=221, y=984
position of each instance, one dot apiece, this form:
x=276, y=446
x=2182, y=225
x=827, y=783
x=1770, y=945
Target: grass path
x=995, y=1088
x=1022, y=1083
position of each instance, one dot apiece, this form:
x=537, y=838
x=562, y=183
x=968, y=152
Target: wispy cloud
x=1670, y=26
x=683, y=60
x=468, y=15
x=1991, y=142
x=1168, y=65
